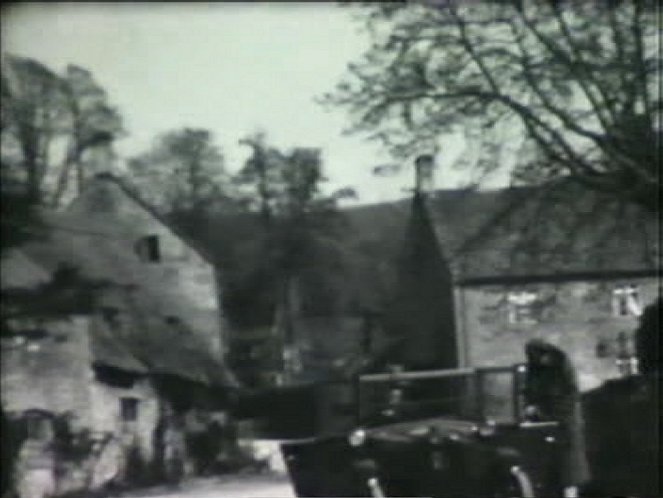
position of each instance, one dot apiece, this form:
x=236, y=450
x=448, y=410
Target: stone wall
x=107, y=417
x=576, y=316
x=181, y=280
x=51, y=372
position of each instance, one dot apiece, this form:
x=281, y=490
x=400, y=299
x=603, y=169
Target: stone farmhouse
x=113, y=336
x=559, y=263
x=466, y=278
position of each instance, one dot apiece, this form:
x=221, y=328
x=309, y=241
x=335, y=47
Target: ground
x=266, y=485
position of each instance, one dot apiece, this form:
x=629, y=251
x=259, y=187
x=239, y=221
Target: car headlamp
x=357, y=437
x=487, y=429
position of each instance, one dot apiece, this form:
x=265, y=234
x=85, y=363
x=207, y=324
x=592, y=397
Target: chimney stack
x=424, y=165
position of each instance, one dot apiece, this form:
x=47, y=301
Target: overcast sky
x=231, y=68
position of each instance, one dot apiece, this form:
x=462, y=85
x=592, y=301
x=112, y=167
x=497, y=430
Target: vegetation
x=184, y=172
x=567, y=89
x=51, y=124
x=55, y=126
x=296, y=237
x=51, y=127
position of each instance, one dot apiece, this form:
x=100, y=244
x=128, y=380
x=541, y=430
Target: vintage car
x=445, y=433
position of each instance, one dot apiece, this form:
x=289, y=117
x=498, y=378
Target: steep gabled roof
x=109, y=351
x=100, y=255
x=55, y=301
x=134, y=195
x=523, y=233
x=95, y=248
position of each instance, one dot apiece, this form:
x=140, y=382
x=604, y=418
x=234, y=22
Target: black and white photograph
x=331, y=249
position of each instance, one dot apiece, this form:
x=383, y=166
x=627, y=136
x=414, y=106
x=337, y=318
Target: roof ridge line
x=133, y=193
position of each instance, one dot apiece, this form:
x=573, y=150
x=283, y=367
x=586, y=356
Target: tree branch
x=581, y=63
x=608, y=147
x=638, y=35
x=619, y=42
x=562, y=57
x=566, y=120
x=529, y=118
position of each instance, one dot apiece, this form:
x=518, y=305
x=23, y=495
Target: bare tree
x=578, y=80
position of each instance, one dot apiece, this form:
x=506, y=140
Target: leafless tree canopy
x=578, y=79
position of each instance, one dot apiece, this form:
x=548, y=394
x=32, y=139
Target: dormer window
x=148, y=250
x=520, y=307
x=626, y=301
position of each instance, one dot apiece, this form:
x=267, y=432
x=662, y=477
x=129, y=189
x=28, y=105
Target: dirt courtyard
x=269, y=485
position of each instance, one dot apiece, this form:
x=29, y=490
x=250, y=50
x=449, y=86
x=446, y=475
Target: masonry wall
x=50, y=373
x=107, y=416
x=182, y=282
x=575, y=316
x=55, y=373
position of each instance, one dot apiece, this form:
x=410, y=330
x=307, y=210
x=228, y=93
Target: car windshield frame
x=480, y=394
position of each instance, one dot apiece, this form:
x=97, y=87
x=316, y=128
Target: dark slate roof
x=133, y=194
x=173, y=351
x=93, y=247
x=55, y=300
x=532, y=233
x=100, y=255
x=110, y=352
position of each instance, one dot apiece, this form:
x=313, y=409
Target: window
x=148, y=249
x=603, y=348
x=129, y=409
x=626, y=301
x=627, y=362
x=520, y=307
